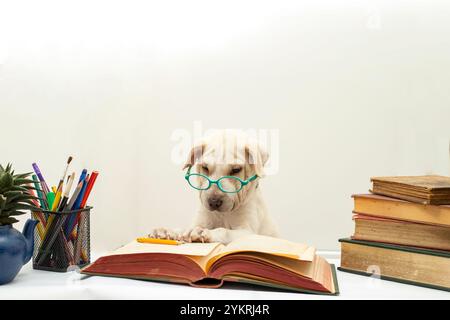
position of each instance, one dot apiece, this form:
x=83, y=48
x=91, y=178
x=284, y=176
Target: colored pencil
x=41, y=197
x=73, y=219
x=80, y=218
x=37, y=215
x=77, y=204
x=71, y=205
x=58, y=247
x=83, y=175
x=50, y=237
x=57, y=197
x=89, y=188
x=50, y=201
x=74, y=197
x=159, y=241
x=78, y=240
x=55, y=234
x=73, y=201
x=44, y=185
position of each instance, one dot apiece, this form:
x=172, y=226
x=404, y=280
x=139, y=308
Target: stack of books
x=402, y=232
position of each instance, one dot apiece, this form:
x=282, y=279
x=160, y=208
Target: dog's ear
x=195, y=154
x=257, y=157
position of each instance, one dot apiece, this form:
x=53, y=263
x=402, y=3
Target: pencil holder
x=62, y=239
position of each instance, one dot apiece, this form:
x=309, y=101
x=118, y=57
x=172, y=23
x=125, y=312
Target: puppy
x=226, y=216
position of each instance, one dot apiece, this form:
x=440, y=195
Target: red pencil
x=89, y=188
x=39, y=213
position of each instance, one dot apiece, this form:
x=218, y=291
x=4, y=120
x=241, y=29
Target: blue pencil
x=83, y=190
x=73, y=217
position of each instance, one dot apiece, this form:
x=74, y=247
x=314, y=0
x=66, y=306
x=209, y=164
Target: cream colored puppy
x=226, y=216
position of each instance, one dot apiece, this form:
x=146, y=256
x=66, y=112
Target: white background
x=355, y=88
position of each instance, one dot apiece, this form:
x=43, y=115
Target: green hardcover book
x=411, y=265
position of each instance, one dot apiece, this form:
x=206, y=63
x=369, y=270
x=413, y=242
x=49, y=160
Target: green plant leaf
x=16, y=213
x=15, y=196
x=7, y=220
x=2, y=203
x=22, y=176
x=11, y=193
x=16, y=188
x=17, y=206
x=19, y=197
x=22, y=181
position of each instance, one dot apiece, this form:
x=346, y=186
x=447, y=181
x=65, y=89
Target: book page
x=274, y=246
x=267, y=245
x=430, y=182
x=202, y=261
x=186, y=249
x=300, y=267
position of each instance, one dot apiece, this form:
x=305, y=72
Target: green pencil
x=42, y=199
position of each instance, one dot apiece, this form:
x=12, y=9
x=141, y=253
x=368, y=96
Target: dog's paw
x=197, y=234
x=164, y=233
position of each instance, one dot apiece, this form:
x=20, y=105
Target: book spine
x=420, y=284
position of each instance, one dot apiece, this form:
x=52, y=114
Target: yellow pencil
x=57, y=198
x=40, y=228
x=159, y=241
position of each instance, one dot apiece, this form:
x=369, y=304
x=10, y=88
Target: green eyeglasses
x=227, y=184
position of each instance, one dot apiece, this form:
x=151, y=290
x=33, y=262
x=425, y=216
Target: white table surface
x=35, y=284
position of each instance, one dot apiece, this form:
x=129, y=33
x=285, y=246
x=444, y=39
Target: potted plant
x=16, y=248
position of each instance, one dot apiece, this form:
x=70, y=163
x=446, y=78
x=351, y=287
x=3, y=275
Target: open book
x=252, y=259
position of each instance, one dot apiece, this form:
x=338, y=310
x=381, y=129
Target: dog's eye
x=205, y=168
x=236, y=170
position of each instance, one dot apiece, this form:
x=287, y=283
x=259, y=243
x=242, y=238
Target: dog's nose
x=215, y=203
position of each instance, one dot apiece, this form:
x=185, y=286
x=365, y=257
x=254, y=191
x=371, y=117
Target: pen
x=41, y=178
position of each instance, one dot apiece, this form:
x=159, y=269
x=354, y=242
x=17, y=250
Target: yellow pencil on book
x=160, y=241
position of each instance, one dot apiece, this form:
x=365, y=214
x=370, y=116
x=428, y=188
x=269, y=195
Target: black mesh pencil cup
x=62, y=239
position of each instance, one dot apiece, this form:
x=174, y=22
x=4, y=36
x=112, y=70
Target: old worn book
x=386, y=207
x=254, y=259
x=420, y=189
x=407, y=233
x=428, y=268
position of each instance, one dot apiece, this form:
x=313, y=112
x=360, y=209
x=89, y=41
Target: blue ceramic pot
x=16, y=249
